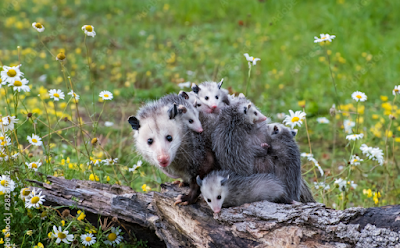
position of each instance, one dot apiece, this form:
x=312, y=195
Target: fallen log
x=259, y=224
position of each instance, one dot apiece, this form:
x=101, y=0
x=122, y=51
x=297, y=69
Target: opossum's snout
x=163, y=160
x=200, y=130
x=217, y=210
x=213, y=106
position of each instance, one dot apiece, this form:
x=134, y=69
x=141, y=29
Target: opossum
x=165, y=142
x=227, y=189
x=212, y=96
x=283, y=159
x=235, y=138
x=187, y=111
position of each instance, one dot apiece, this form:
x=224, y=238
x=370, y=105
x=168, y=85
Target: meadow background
x=143, y=49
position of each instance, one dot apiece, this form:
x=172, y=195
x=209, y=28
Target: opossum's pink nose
x=163, y=160
x=217, y=210
x=214, y=106
x=264, y=118
x=200, y=130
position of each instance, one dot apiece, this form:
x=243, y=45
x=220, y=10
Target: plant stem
x=248, y=79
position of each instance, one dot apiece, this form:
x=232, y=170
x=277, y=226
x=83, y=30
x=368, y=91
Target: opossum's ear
x=195, y=103
x=172, y=112
x=183, y=94
x=294, y=132
x=220, y=83
x=182, y=109
x=223, y=181
x=276, y=130
x=134, y=122
x=249, y=105
x=241, y=95
x=199, y=181
x=195, y=88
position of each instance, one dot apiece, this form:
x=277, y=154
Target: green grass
x=143, y=49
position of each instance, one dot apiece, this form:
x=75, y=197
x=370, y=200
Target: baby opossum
x=164, y=141
x=212, y=96
x=235, y=139
x=188, y=112
x=227, y=189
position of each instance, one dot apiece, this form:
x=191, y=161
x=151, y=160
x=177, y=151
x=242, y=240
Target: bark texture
x=259, y=224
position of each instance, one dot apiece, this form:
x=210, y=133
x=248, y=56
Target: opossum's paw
x=180, y=184
x=264, y=145
x=182, y=200
x=176, y=182
x=296, y=202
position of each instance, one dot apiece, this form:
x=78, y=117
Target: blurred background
x=145, y=49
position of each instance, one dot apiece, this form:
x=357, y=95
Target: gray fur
x=236, y=190
x=305, y=193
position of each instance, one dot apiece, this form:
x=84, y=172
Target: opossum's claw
x=296, y=202
x=179, y=183
x=264, y=145
x=176, y=182
x=178, y=200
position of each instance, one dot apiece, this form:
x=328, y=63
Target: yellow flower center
x=38, y=25
x=359, y=96
x=88, y=239
x=56, y=95
x=1, y=138
x=34, y=165
x=61, y=235
x=11, y=73
x=396, y=90
x=34, y=140
x=105, y=95
x=17, y=83
x=89, y=28
x=61, y=56
x=294, y=119
x=26, y=192
x=111, y=237
x=3, y=143
x=4, y=182
x=35, y=199
x=355, y=160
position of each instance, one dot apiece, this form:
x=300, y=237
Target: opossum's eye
x=255, y=113
x=198, y=105
x=209, y=200
x=169, y=138
x=150, y=141
x=216, y=97
x=219, y=197
x=206, y=98
x=190, y=121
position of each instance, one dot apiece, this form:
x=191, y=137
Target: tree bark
x=259, y=224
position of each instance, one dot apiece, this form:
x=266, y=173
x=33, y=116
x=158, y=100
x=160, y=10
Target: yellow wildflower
x=145, y=188
x=81, y=216
x=63, y=223
x=384, y=98
x=302, y=103
x=39, y=245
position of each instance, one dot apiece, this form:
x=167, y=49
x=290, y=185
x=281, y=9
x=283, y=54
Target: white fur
x=208, y=97
x=211, y=189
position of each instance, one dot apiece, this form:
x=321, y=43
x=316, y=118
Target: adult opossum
x=170, y=145
x=227, y=189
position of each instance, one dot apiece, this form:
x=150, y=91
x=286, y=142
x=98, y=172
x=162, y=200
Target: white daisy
x=251, y=59
x=294, y=119
x=34, y=165
x=35, y=140
x=10, y=74
x=89, y=30
x=342, y=184
x=3, y=155
x=355, y=136
x=184, y=85
x=106, y=95
x=348, y=125
x=6, y=184
x=324, y=37
x=306, y=155
x=355, y=160
x=108, y=123
x=56, y=94
x=110, y=161
x=88, y=239
x=38, y=26
x=396, y=90
x=281, y=116
x=19, y=85
x=34, y=200
x=372, y=153
x=15, y=156
x=352, y=184
x=24, y=193
x=74, y=95
x=113, y=237
x=321, y=185
x=4, y=140
x=7, y=123
x=359, y=96
x=139, y=164
x=317, y=165
x=62, y=236
x=323, y=120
